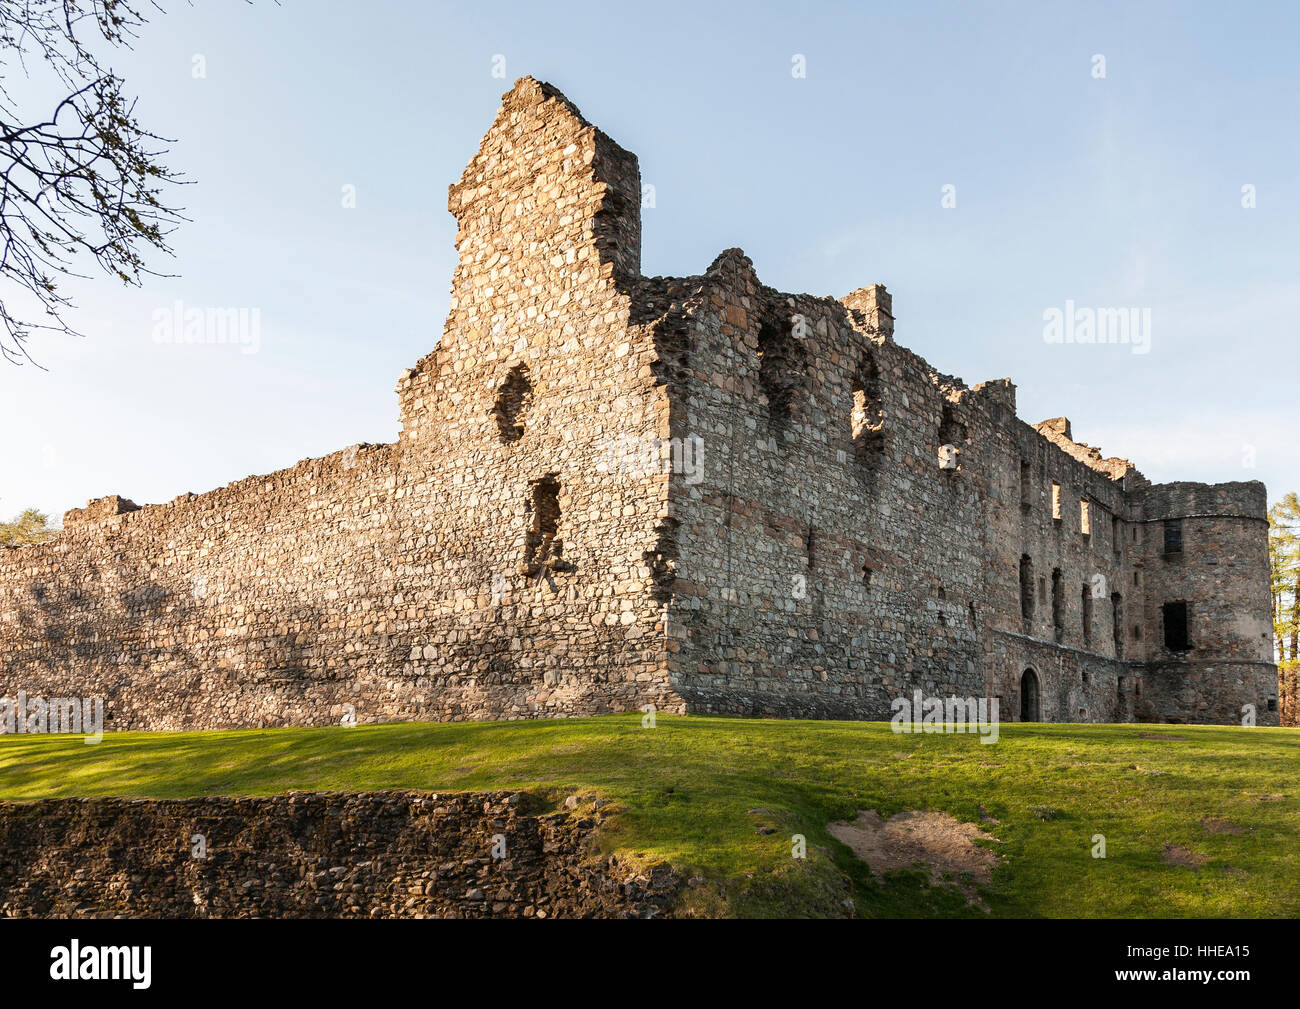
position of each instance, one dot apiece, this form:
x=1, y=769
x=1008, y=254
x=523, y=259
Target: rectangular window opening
x=1175, y=620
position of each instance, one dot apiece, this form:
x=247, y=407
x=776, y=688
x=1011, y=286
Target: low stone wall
x=393, y=854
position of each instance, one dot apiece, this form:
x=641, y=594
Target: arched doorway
x=1030, y=711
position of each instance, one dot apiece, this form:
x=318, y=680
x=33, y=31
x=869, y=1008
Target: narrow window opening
x=1135, y=578
x=1086, y=599
x=1058, y=605
x=513, y=399
x=1026, y=485
x=1117, y=623
x=1116, y=535
x=1026, y=587
x=542, y=548
x=952, y=435
x=1056, y=501
x=868, y=420
x=1137, y=632
x=780, y=373
x=1272, y=704
x=1175, y=620
x=1173, y=536
x=1085, y=517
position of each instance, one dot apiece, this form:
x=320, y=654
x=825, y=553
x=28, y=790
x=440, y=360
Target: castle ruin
x=612, y=491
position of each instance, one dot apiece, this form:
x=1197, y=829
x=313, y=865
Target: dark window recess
x=868, y=420
x=1119, y=688
x=782, y=362
x=951, y=430
x=1086, y=599
x=1175, y=618
x=1058, y=605
x=866, y=574
x=542, y=548
x=1026, y=485
x=1026, y=587
x=513, y=399
x=1137, y=633
x=1116, y=535
x=1117, y=623
x=1272, y=704
x=1173, y=536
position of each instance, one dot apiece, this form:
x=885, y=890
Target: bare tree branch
x=87, y=182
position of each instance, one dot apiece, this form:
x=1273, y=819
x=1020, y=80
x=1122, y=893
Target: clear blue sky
x=1122, y=191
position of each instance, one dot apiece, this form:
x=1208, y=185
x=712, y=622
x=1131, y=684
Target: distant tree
x=31, y=526
x=1284, y=566
x=80, y=184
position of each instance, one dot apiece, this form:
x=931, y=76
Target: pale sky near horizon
x=1110, y=192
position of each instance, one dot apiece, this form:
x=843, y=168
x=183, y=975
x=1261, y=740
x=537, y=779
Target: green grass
x=686, y=789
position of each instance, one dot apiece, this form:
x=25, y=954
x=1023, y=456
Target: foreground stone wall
x=317, y=855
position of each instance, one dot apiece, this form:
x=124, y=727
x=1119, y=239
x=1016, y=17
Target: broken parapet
x=98, y=510
x=875, y=306
x=1057, y=431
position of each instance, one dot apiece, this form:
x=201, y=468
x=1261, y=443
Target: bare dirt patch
x=1176, y=854
x=1217, y=825
x=943, y=844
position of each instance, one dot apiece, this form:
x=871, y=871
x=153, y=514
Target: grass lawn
x=695, y=791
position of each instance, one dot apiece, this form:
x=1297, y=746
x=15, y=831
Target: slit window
x=541, y=546
x=868, y=419
x=1058, y=605
x=1085, y=517
x=1175, y=620
x=1026, y=587
x=1056, y=501
x=1086, y=609
x=512, y=402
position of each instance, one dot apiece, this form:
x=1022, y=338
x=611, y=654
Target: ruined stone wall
x=488, y=565
x=611, y=491
x=317, y=855
x=824, y=570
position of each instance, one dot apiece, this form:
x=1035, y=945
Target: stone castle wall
x=488, y=565
x=611, y=491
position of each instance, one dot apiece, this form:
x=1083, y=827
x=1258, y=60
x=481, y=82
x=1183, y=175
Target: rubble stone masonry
x=612, y=491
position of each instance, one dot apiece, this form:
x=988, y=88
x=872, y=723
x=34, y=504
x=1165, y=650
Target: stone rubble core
x=387, y=854
x=834, y=524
